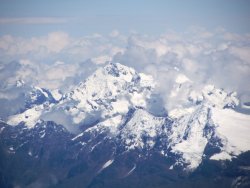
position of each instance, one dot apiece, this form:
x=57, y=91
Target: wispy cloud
x=33, y=20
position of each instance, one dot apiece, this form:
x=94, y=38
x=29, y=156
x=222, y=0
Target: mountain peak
x=110, y=90
x=117, y=69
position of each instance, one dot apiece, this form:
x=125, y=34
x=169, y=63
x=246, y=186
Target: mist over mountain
x=124, y=94
x=214, y=57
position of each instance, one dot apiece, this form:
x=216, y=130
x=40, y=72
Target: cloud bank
x=58, y=61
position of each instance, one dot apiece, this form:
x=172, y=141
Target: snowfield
x=234, y=129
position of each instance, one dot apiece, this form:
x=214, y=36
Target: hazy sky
x=80, y=17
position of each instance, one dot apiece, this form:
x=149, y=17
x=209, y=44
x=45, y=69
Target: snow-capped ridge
x=195, y=124
x=142, y=124
x=219, y=98
x=111, y=105
x=188, y=136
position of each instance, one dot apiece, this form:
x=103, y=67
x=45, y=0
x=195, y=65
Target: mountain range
x=113, y=130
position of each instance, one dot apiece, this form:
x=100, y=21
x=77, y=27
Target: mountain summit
x=113, y=89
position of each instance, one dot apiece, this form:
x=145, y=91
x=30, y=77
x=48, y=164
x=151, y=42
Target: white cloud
x=14, y=48
x=205, y=57
x=101, y=59
x=216, y=57
x=58, y=45
x=57, y=41
x=242, y=52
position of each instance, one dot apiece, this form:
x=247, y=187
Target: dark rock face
x=38, y=96
x=48, y=156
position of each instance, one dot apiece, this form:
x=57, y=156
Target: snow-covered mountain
x=17, y=97
x=33, y=100
x=111, y=90
x=108, y=113
x=33, y=95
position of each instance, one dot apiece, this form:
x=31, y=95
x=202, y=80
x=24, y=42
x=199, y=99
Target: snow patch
x=77, y=136
x=106, y=165
x=29, y=117
x=233, y=128
x=131, y=171
x=56, y=94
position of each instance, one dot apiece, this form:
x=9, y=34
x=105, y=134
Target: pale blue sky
x=81, y=17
